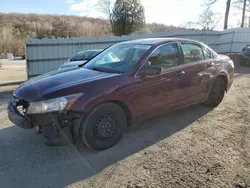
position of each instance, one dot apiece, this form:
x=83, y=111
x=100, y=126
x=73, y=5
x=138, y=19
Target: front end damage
x=56, y=126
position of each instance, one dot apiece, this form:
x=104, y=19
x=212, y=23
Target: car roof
x=155, y=41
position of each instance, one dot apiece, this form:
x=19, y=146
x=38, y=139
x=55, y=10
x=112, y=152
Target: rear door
x=193, y=81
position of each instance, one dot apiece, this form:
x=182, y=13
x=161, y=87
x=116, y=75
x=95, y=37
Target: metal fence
x=44, y=55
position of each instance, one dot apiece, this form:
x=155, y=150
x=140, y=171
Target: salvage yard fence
x=44, y=55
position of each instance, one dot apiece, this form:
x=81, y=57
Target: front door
x=157, y=93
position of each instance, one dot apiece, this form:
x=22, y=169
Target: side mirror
x=150, y=71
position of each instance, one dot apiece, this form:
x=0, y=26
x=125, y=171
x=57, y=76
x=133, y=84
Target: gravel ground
x=192, y=147
x=213, y=151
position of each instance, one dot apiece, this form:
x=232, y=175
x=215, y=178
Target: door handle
x=181, y=73
x=210, y=64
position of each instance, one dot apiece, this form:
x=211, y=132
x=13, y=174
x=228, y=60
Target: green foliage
x=127, y=17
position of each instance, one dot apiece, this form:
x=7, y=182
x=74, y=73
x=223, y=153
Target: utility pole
x=243, y=13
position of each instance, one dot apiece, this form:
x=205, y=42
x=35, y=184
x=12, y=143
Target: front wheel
x=216, y=93
x=103, y=127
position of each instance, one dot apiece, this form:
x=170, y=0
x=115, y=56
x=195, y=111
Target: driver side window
x=165, y=56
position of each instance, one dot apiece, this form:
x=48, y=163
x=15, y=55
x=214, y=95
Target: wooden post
x=232, y=41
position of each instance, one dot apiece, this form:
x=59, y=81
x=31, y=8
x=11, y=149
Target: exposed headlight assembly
x=231, y=63
x=52, y=105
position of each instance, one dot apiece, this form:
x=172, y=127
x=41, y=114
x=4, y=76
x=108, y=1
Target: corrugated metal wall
x=44, y=55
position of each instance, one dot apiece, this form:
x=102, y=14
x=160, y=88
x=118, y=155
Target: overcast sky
x=169, y=12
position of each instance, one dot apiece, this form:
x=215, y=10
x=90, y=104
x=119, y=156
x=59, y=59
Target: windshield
x=120, y=58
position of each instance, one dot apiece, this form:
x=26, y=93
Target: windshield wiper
x=106, y=70
x=98, y=69
x=82, y=64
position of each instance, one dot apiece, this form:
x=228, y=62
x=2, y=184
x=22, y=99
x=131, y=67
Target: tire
x=217, y=93
x=103, y=127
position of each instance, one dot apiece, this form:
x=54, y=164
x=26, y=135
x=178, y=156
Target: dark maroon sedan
x=130, y=81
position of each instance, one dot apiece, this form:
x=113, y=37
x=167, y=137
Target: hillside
x=14, y=28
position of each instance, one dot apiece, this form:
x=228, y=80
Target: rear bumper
x=17, y=118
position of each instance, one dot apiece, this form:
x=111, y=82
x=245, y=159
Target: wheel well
x=125, y=109
x=225, y=80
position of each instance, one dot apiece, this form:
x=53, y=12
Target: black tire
x=103, y=127
x=217, y=93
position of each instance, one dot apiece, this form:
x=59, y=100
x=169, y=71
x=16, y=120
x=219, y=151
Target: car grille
x=22, y=106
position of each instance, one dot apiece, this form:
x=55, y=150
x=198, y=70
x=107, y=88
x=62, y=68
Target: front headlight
x=231, y=63
x=57, y=104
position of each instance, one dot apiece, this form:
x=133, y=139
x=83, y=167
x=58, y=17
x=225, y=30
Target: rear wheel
x=216, y=93
x=103, y=127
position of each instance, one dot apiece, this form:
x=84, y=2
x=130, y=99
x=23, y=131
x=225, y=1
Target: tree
x=14, y=28
x=243, y=13
x=227, y=14
x=126, y=17
x=105, y=7
x=207, y=21
x=240, y=4
x=209, y=3
x=244, y=5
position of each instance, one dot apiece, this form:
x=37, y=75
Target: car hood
x=36, y=88
x=72, y=64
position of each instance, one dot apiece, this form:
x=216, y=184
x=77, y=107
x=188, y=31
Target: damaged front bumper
x=53, y=124
x=17, y=117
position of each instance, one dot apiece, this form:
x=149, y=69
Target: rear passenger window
x=192, y=53
x=165, y=56
x=207, y=53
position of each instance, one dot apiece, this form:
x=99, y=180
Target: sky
x=169, y=12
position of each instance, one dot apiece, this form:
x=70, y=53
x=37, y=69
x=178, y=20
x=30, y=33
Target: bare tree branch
x=209, y=3
x=207, y=21
x=105, y=6
x=244, y=6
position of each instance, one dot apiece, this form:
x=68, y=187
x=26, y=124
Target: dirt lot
x=11, y=74
x=192, y=147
